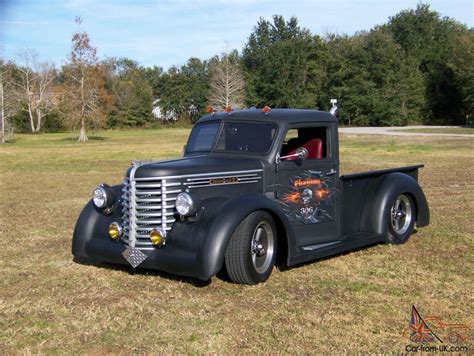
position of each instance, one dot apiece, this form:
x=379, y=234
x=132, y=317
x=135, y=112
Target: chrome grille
x=147, y=204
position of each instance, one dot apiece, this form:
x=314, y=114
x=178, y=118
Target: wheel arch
x=223, y=226
x=384, y=190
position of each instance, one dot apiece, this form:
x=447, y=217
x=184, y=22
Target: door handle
x=331, y=172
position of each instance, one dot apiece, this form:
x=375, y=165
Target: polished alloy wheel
x=401, y=214
x=262, y=247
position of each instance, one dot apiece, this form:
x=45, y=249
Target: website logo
x=432, y=329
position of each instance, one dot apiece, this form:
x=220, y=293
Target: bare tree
x=86, y=82
x=34, y=89
x=7, y=107
x=227, y=82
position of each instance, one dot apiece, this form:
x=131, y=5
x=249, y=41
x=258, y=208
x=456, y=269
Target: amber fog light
x=158, y=237
x=115, y=231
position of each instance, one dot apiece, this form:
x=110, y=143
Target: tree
x=34, y=89
x=430, y=39
x=462, y=65
x=7, y=107
x=227, y=82
x=86, y=97
x=282, y=65
x=183, y=91
x=131, y=91
x=348, y=79
x=375, y=82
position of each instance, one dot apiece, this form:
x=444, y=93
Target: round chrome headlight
x=184, y=204
x=99, y=197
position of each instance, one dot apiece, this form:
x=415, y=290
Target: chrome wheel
x=262, y=247
x=401, y=215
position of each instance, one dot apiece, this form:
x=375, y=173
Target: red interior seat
x=314, y=147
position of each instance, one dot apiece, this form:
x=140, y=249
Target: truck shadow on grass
x=222, y=274
x=141, y=271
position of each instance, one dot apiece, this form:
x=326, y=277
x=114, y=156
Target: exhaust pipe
x=333, y=109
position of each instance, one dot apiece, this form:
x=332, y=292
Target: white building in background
x=171, y=115
x=160, y=114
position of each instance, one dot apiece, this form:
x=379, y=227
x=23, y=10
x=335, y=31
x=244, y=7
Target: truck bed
x=357, y=187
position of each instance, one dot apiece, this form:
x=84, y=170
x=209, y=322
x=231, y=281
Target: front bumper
x=167, y=259
x=179, y=256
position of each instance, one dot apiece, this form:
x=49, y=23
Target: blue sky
x=166, y=32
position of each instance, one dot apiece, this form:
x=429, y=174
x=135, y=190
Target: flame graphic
x=322, y=193
x=291, y=197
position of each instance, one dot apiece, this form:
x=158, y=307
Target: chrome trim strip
x=208, y=181
x=216, y=185
x=220, y=177
x=241, y=179
x=199, y=175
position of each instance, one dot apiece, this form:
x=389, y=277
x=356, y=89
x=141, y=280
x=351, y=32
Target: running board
x=315, y=247
x=351, y=242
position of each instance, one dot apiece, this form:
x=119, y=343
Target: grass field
x=356, y=302
x=447, y=130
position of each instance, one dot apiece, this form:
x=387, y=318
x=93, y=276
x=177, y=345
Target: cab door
x=307, y=190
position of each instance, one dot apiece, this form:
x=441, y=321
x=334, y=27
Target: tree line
x=416, y=68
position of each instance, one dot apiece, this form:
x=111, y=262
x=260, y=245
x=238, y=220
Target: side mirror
x=301, y=153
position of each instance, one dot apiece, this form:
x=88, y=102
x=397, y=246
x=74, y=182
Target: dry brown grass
x=357, y=302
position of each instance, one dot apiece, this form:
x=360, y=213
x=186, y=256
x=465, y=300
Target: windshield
x=248, y=137
x=202, y=137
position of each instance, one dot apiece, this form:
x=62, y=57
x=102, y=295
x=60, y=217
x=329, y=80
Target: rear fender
x=385, y=189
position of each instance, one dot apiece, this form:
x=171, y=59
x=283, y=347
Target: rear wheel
x=251, y=252
x=401, y=219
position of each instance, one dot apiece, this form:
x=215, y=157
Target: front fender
x=224, y=222
x=93, y=222
x=383, y=192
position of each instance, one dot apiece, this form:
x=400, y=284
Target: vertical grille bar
x=163, y=204
x=132, y=214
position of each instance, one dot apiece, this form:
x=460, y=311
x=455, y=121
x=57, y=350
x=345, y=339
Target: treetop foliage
x=416, y=68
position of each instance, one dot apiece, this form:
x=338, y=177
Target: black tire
x=401, y=218
x=251, y=252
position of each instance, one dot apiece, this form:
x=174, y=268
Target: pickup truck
x=254, y=188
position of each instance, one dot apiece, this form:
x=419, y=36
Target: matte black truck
x=252, y=184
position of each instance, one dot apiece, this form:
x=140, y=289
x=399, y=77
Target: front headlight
x=99, y=197
x=103, y=196
x=184, y=204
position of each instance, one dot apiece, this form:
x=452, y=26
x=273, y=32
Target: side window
x=314, y=139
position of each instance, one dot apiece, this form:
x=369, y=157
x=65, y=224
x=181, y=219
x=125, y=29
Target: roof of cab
x=278, y=116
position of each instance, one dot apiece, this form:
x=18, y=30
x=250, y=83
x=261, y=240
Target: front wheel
x=401, y=219
x=251, y=252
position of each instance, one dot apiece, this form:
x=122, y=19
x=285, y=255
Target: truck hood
x=194, y=165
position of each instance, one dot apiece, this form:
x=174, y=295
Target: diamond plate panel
x=134, y=256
